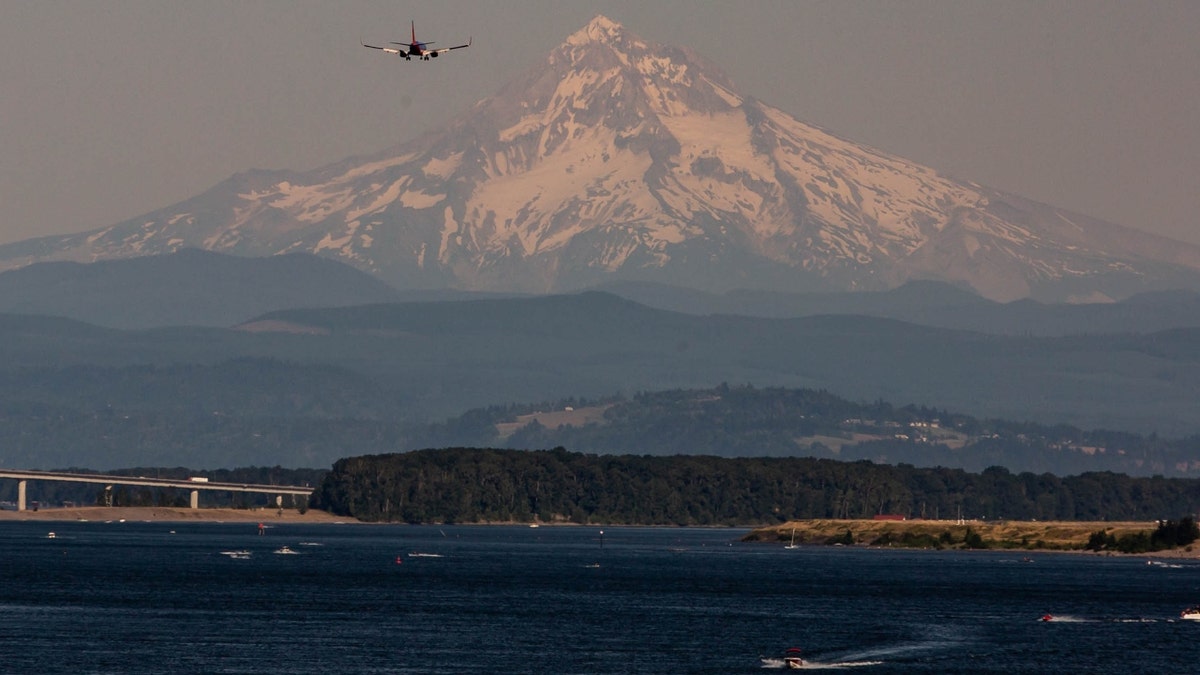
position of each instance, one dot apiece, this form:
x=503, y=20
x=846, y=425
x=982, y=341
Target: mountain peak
x=619, y=158
x=600, y=29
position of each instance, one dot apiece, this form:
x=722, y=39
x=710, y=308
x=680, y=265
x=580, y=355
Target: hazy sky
x=112, y=108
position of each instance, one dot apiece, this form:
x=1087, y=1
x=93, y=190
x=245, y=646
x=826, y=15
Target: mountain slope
x=188, y=288
x=621, y=159
x=929, y=303
x=316, y=381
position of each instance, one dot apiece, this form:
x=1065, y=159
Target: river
x=139, y=597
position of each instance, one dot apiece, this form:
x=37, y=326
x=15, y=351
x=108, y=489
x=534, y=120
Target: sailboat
x=793, y=543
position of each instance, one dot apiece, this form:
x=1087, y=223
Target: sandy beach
x=173, y=514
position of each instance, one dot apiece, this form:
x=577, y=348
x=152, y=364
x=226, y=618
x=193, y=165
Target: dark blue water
x=162, y=598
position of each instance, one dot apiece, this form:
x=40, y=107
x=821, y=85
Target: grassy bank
x=945, y=534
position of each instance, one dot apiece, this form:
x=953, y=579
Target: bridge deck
x=187, y=484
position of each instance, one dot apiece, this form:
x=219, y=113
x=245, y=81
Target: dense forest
x=462, y=485
x=493, y=485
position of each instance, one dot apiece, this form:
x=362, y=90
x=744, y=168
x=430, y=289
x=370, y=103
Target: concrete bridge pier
x=21, y=495
x=195, y=501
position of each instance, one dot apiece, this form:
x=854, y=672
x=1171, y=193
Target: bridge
x=194, y=485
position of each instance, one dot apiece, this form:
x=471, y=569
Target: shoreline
x=810, y=533
x=1024, y=537
x=171, y=514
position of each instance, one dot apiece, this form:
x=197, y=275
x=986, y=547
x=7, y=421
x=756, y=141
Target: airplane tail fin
x=414, y=32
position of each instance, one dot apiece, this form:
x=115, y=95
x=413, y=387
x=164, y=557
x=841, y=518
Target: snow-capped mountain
x=621, y=159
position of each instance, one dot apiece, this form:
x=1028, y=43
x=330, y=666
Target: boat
x=284, y=550
x=1047, y=617
x=790, y=660
x=237, y=555
x=1191, y=613
x=793, y=543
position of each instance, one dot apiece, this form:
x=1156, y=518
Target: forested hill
x=467, y=485
x=747, y=421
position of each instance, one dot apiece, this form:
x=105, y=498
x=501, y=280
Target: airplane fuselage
x=420, y=50
x=417, y=49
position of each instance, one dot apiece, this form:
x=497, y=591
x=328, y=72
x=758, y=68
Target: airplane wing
x=443, y=50
x=389, y=50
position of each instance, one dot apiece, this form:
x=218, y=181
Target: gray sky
x=112, y=108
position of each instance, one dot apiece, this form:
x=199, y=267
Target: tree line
x=1167, y=535
x=461, y=485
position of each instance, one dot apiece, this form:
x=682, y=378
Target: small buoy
x=399, y=560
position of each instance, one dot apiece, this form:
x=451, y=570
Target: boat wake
x=1063, y=618
x=780, y=664
x=874, y=656
x=1066, y=618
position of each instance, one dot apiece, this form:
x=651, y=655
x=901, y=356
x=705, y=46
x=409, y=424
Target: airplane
x=417, y=49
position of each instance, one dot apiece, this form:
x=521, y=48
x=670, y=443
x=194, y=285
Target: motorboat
x=1046, y=618
x=1190, y=614
x=790, y=660
x=284, y=550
